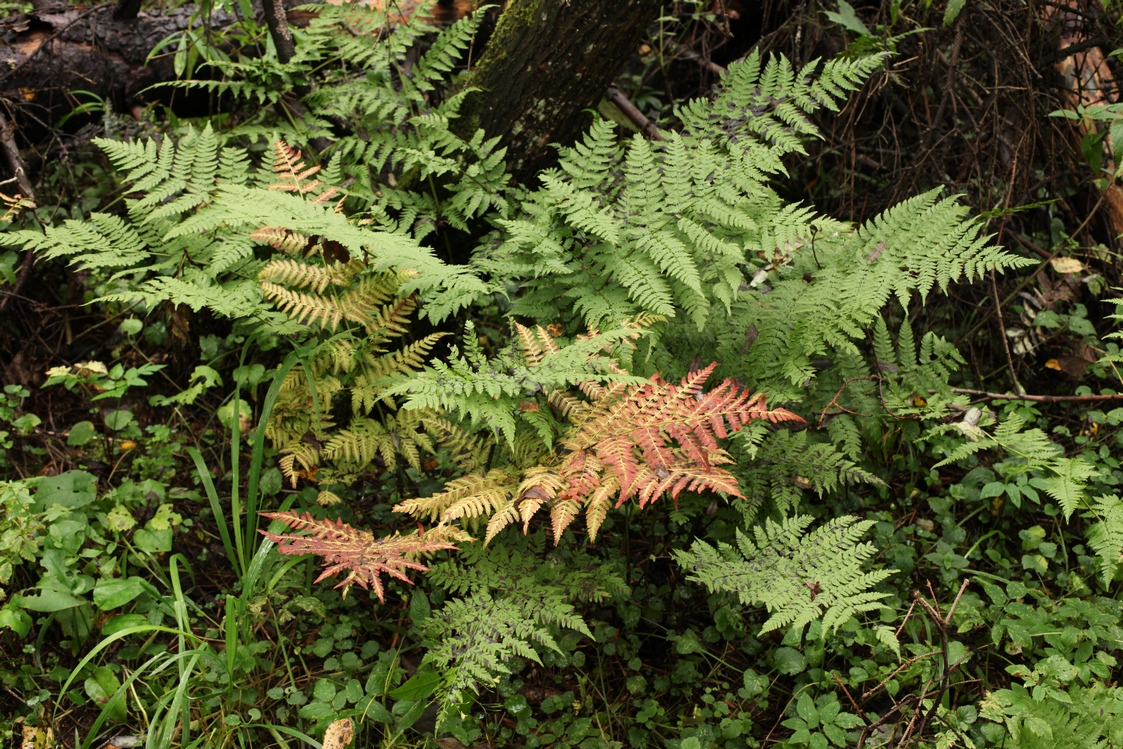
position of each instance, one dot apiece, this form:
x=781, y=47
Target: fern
x=1084, y=718
x=355, y=365
x=388, y=135
x=624, y=442
x=786, y=464
x=190, y=236
x=489, y=391
x=513, y=604
x=669, y=252
x=1032, y=451
x=681, y=228
x=364, y=557
x=1105, y=536
x=771, y=105
x=797, y=577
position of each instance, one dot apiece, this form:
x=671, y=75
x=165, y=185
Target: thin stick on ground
x=632, y=113
x=1041, y=398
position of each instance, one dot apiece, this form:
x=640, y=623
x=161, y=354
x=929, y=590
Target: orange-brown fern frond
x=345, y=548
x=293, y=175
x=635, y=437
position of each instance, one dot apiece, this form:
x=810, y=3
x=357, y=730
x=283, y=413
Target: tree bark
x=279, y=29
x=546, y=63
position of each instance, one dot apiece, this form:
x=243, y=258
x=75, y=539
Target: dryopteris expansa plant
x=624, y=441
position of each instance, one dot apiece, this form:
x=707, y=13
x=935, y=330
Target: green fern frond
x=1031, y=451
x=797, y=577
x=513, y=601
x=1106, y=535
x=444, y=53
x=786, y=465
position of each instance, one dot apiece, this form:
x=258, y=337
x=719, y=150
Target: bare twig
x=647, y=126
x=689, y=54
x=1040, y=398
x=1030, y=245
x=962, y=589
x=853, y=704
x=871, y=692
x=834, y=401
x=1002, y=329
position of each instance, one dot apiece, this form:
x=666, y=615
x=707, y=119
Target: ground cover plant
x=382, y=445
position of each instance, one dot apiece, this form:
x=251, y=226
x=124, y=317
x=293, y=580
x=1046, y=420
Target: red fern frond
x=662, y=438
x=364, y=557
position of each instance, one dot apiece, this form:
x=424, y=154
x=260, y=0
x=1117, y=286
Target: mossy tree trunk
x=547, y=62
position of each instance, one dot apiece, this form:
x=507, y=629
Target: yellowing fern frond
x=289, y=242
x=535, y=343
x=298, y=457
x=310, y=309
x=293, y=175
x=475, y=492
x=314, y=277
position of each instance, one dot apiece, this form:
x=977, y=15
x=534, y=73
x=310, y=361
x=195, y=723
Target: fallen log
x=49, y=54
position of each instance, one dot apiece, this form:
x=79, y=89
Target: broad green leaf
x=848, y=19
x=123, y=621
x=109, y=594
x=81, y=433
x=418, y=687
x=788, y=661
x=72, y=489
x=47, y=601
x=15, y=620
x=805, y=708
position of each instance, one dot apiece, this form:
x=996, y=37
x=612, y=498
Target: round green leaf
x=788, y=661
